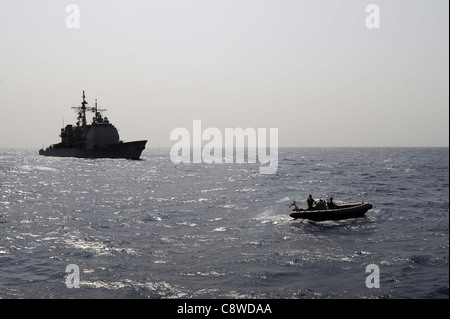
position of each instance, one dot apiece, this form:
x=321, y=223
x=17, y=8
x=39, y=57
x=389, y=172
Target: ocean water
x=154, y=229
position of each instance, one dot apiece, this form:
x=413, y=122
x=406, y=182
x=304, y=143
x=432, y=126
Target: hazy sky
x=312, y=69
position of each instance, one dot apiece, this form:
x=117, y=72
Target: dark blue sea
x=155, y=229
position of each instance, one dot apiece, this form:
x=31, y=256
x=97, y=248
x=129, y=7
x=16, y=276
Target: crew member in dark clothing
x=331, y=204
x=310, y=201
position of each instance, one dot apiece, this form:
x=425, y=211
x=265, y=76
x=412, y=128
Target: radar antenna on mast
x=82, y=110
x=98, y=116
x=95, y=109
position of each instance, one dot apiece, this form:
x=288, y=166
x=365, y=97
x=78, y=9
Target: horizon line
x=168, y=147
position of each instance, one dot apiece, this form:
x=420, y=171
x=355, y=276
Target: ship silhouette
x=99, y=139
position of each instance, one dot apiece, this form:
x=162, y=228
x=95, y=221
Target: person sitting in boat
x=321, y=204
x=310, y=202
x=330, y=204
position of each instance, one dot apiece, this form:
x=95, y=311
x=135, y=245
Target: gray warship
x=99, y=139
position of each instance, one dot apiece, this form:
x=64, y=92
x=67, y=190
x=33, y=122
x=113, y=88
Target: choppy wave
x=152, y=229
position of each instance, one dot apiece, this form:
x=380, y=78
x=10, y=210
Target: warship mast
x=83, y=109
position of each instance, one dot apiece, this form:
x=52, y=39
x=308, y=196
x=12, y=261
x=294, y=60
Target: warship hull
x=128, y=150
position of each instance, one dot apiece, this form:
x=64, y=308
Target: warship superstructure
x=99, y=139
